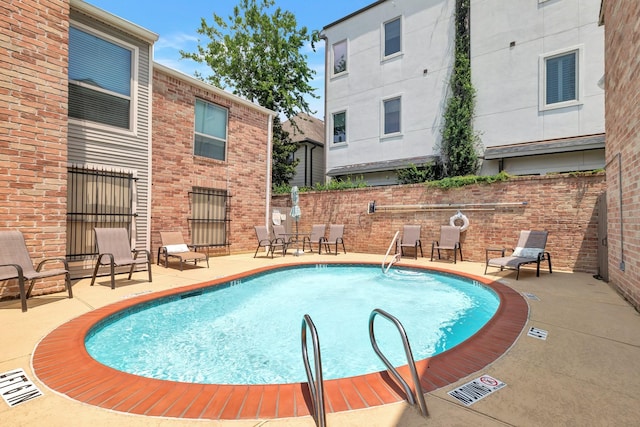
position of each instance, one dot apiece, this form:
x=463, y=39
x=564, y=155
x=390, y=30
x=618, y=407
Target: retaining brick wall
x=562, y=204
x=33, y=128
x=622, y=120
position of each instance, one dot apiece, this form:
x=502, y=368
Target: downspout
x=269, y=167
x=326, y=80
x=311, y=168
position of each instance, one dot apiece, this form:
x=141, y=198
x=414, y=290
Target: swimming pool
x=248, y=331
x=61, y=363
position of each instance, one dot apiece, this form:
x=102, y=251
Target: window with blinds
x=100, y=79
x=210, y=130
x=392, y=37
x=562, y=81
x=96, y=198
x=560, y=78
x=391, y=116
x=209, y=217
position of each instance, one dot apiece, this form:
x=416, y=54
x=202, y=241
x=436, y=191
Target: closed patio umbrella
x=295, y=214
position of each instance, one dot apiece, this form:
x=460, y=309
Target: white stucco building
x=535, y=65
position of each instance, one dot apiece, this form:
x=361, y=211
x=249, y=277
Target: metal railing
x=410, y=362
x=316, y=388
x=394, y=258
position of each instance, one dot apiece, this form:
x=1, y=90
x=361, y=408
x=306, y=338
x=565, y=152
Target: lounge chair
x=336, y=232
x=114, y=250
x=410, y=239
x=15, y=263
x=449, y=240
x=262, y=234
x=529, y=250
x=316, y=237
x=173, y=246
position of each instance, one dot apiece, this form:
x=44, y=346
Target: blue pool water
x=248, y=332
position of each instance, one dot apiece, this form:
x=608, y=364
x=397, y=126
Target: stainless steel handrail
x=410, y=362
x=315, y=387
x=395, y=257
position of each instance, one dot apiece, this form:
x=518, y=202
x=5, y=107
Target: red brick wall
x=33, y=128
x=562, y=204
x=176, y=170
x=622, y=121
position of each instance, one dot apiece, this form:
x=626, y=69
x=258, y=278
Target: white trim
x=211, y=89
x=113, y=20
x=268, y=161
x=542, y=77
x=149, y=148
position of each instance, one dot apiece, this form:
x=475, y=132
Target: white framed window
x=339, y=121
x=561, y=79
x=101, y=76
x=210, y=139
x=392, y=38
x=391, y=116
x=339, y=53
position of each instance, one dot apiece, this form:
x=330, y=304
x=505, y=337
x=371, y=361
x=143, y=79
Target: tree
x=458, y=139
x=256, y=53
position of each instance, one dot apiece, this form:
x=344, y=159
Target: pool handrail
x=395, y=257
x=410, y=361
x=316, y=388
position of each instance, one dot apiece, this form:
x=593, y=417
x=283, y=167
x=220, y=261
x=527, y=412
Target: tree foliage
x=257, y=54
x=458, y=139
x=414, y=174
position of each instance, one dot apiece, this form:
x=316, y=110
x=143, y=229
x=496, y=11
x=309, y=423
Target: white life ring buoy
x=462, y=217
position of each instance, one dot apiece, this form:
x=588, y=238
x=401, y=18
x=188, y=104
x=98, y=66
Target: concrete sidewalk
x=584, y=374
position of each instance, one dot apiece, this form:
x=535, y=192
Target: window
x=209, y=216
x=211, y=131
x=391, y=119
x=100, y=79
x=392, y=37
x=560, y=74
x=96, y=198
x=340, y=57
x=339, y=127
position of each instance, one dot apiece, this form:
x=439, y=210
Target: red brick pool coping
x=62, y=363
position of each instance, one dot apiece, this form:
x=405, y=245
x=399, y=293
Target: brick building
x=622, y=118
x=79, y=134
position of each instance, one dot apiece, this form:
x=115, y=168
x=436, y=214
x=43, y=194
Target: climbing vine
x=459, y=142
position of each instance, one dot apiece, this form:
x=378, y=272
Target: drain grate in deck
x=531, y=296
x=17, y=388
x=540, y=334
x=477, y=389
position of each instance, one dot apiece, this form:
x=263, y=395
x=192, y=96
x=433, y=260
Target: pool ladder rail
x=394, y=258
x=419, y=394
x=316, y=388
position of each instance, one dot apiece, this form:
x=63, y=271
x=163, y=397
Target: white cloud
x=176, y=41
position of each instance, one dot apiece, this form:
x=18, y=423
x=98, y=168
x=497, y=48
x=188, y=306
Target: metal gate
x=603, y=250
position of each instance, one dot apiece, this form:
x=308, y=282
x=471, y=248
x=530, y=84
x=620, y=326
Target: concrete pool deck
x=584, y=373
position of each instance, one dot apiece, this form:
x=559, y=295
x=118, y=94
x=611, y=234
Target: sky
x=176, y=24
